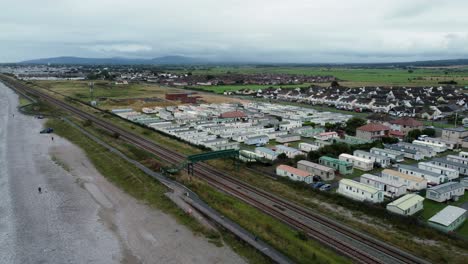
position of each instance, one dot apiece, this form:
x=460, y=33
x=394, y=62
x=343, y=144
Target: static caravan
x=266, y=153
x=450, y=173
x=343, y=167
x=395, y=156
x=293, y=173
x=288, y=138
x=407, y=153
x=431, y=177
x=457, y=159
x=406, y=205
x=248, y=156
x=438, y=147
x=463, y=154
x=426, y=151
x=462, y=168
x=411, y=182
x=448, y=143
x=382, y=160
x=326, y=173
x=290, y=152
x=390, y=188
x=257, y=140
x=306, y=147
x=358, y=163
x=445, y=192
x=360, y=191
x=448, y=219
x=326, y=135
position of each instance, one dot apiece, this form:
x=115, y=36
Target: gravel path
x=79, y=217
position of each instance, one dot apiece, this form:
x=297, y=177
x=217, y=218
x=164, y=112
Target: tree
x=389, y=140
x=430, y=132
x=334, y=84
x=413, y=134
x=354, y=123
x=282, y=156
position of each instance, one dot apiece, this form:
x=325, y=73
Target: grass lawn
x=231, y=88
x=432, y=207
x=353, y=76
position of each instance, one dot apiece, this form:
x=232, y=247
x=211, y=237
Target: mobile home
x=293, y=173
x=462, y=168
x=438, y=147
x=326, y=173
x=360, y=191
x=382, y=160
x=450, y=173
x=341, y=166
x=358, y=163
x=411, y=182
x=406, y=205
x=395, y=156
x=390, y=188
x=431, y=177
x=445, y=192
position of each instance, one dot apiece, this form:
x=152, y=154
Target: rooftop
x=233, y=114
x=407, y=121
x=402, y=175
x=360, y=186
x=407, y=201
x=293, y=170
x=314, y=165
x=373, y=127
x=416, y=169
x=266, y=150
x=453, y=163
x=380, y=179
x=446, y=187
x=342, y=162
x=447, y=215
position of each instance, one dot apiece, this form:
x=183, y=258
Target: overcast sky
x=242, y=30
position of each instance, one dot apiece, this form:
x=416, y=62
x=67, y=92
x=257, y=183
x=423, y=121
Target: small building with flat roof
x=462, y=168
x=431, y=177
x=358, y=163
x=406, y=205
x=390, y=188
x=448, y=219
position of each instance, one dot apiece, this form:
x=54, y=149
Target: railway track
x=353, y=244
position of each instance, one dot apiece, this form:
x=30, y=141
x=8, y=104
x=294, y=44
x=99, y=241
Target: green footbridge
x=192, y=159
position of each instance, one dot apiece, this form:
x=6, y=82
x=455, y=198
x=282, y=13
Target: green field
x=357, y=76
x=231, y=88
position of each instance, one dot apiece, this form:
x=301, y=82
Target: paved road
x=59, y=225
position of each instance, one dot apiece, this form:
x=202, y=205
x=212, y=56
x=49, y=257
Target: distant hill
x=166, y=60
x=181, y=60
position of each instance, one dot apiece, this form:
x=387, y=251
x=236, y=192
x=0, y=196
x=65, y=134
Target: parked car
x=325, y=187
x=317, y=185
x=316, y=178
x=47, y=130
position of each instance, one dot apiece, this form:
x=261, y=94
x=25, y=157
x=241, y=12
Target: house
x=407, y=153
x=462, y=168
x=341, y=166
x=326, y=135
x=437, y=147
x=360, y=191
x=390, y=188
x=411, y=182
x=451, y=174
x=406, y=124
x=395, y=156
x=406, y=205
x=290, y=152
x=424, y=150
x=257, y=140
x=446, y=191
x=431, y=177
x=448, y=219
x=294, y=174
x=306, y=147
x=266, y=153
x=326, y=173
x=448, y=143
x=381, y=160
x=372, y=131
x=454, y=134
x=358, y=163
x=288, y=138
